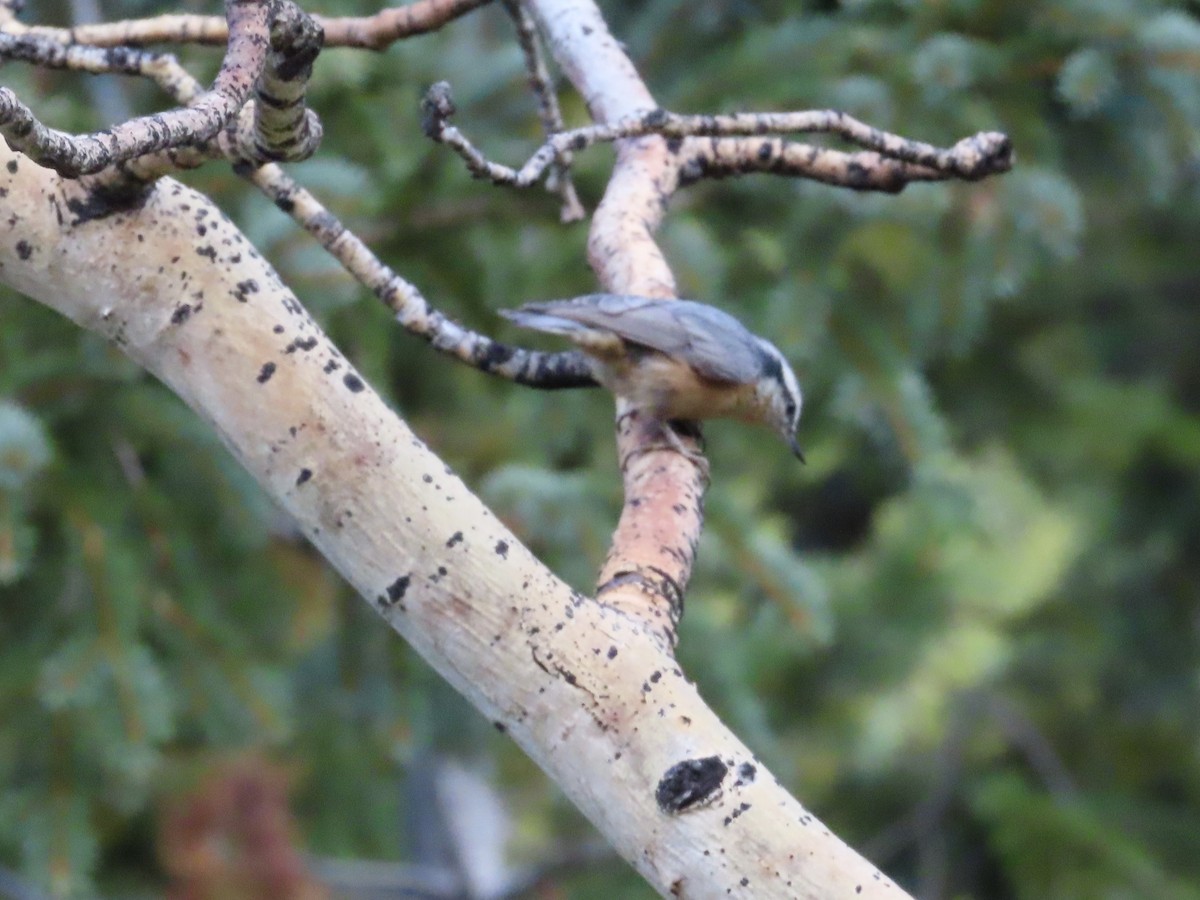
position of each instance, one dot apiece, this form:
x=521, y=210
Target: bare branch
x=862, y=171
x=381, y=30
x=166, y=29
x=277, y=126
x=548, y=110
x=649, y=563
x=163, y=68
x=72, y=156
x=972, y=158
x=284, y=128
x=548, y=371
x=376, y=32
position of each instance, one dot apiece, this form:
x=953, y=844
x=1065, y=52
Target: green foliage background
x=965, y=634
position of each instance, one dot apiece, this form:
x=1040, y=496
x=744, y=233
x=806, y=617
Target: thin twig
x=548, y=371
x=549, y=112
x=864, y=170
x=972, y=158
x=376, y=32
x=380, y=31
x=182, y=29
x=162, y=68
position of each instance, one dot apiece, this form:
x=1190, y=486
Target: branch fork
x=891, y=161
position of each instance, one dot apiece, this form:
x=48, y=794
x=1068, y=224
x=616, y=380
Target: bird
x=676, y=360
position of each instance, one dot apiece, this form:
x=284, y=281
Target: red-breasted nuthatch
x=676, y=359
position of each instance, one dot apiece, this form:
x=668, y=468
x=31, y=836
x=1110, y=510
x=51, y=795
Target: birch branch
x=276, y=126
x=74, y=155
x=375, y=32
x=894, y=160
x=547, y=371
x=549, y=112
x=283, y=127
x=587, y=690
x=861, y=171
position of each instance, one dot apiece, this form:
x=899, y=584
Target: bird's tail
x=530, y=316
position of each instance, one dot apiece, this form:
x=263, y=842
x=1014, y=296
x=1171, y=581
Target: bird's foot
x=659, y=435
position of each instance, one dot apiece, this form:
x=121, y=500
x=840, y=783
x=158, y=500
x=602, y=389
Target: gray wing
x=712, y=342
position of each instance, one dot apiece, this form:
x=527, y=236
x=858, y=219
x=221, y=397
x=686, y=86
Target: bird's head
x=778, y=395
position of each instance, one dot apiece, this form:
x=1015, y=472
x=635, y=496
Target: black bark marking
x=455, y=538
x=689, y=782
x=304, y=475
x=100, y=202
x=502, y=549
x=244, y=289
x=266, y=372
x=737, y=812
x=397, y=589
x=24, y=249
x=301, y=344
x=494, y=354
x=353, y=382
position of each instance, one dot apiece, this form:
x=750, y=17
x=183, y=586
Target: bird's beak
x=795, y=445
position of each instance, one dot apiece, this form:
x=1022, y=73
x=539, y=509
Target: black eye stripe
x=772, y=369
x=771, y=366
